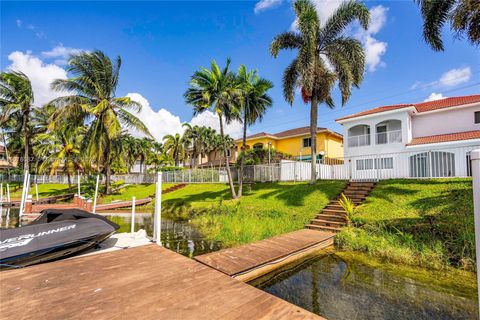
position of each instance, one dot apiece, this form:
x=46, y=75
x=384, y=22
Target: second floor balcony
x=385, y=132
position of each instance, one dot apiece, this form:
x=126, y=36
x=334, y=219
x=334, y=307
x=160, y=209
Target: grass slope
x=425, y=223
x=44, y=190
x=268, y=209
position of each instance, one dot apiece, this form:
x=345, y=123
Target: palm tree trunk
x=6, y=154
x=227, y=164
x=26, y=134
x=242, y=159
x=313, y=135
x=107, y=168
x=69, y=179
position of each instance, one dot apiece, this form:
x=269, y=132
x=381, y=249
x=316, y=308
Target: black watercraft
x=54, y=234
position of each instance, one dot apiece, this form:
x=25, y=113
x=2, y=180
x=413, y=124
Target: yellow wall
x=332, y=145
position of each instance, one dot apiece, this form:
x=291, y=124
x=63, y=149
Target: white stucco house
x=426, y=139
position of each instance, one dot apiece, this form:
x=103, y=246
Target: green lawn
x=44, y=190
x=427, y=223
x=268, y=209
x=140, y=191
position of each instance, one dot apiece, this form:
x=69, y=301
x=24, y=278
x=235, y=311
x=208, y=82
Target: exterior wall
x=373, y=148
x=330, y=144
x=442, y=122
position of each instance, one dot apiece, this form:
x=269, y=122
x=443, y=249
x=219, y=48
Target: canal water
x=337, y=289
x=177, y=235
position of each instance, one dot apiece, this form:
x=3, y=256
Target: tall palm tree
x=254, y=103
x=215, y=90
x=463, y=15
x=93, y=82
x=191, y=137
x=174, y=147
x=16, y=100
x=317, y=45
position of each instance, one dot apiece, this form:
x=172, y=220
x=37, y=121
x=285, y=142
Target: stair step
x=328, y=223
x=332, y=217
x=315, y=227
x=334, y=207
x=333, y=211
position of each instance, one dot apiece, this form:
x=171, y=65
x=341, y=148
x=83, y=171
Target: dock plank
x=147, y=282
x=233, y=261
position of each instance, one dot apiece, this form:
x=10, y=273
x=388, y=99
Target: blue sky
x=163, y=43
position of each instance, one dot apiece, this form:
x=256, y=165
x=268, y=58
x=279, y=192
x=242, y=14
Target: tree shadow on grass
x=295, y=194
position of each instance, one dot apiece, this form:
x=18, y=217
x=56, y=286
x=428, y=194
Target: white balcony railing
x=359, y=141
x=388, y=137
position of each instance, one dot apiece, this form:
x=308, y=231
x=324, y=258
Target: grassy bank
x=426, y=223
x=268, y=209
x=44, y=190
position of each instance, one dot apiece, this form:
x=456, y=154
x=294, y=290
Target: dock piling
x=132, y=228
x=158, y=210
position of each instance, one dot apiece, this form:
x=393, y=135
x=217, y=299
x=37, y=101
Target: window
x=432, y=164
x=369, y=164
x=228, y=153
x=258, y=146
x=365, y=164
x=307, y=142
x=477, y=117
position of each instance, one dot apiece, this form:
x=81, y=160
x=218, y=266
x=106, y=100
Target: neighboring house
x=426, y=139
x=297, y=142
x=212, y=159
x=4, y=164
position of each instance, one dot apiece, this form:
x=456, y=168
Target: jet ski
x=55, y=234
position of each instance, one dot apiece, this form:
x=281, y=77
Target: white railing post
x=24, y=194
x=1, y=194
x=158, y=211
x=78, y=185
x=8, y=192
x=132, y=227
x=36, y=191
x=475, y=160
x=96, y=194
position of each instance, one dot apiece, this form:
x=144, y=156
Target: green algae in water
x=338, y=287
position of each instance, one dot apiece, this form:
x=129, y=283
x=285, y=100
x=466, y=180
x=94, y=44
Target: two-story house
x=297, y=142
x=7, y=162
x=426, y=139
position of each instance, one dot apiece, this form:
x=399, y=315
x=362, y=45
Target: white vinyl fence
x=420, y=163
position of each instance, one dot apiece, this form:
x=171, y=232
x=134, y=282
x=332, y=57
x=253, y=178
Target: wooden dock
x=147, y=282
x=253, y=260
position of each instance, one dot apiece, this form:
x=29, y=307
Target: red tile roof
x=459, y=136
x=289, y=133
x=421, y=106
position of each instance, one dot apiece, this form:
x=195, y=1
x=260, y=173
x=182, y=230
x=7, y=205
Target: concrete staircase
x=333, y=217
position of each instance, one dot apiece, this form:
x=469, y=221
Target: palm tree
x=16, y=100
x=254, y=104
x=215, y=90
x=463, y=15
x=191, y=137
x=60, y=147
x=174, y=147
x=93, y=82
x=318, y=45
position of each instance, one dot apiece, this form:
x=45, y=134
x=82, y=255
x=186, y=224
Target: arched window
x=359, y=136
x=388, y=131
x=432, y=164
x=258, y=146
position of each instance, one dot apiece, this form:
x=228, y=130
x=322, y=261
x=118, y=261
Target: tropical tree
x=93, y=82
x=60, y=148
x=325, y=55
x=463, y=16
x=174, y=147
x=215, y=90
x=191, y=137
x=16, y=100
x=254, y=102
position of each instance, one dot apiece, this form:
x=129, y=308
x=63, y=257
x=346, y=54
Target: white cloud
x=60, y=53
x=163, y=122
x=159, y=123
x=210, y=119
x=455, y=76
x=450, y=78
x=374, y=48
x=19, y=23
x=434, y=96
x=40, y=74
x=266, y=4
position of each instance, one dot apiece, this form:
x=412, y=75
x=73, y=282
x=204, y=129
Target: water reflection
x=177, y=235
x=336, y=289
